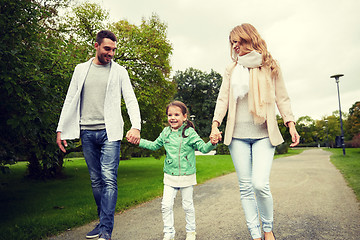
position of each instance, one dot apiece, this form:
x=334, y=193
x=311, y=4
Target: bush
x=75, y=155
x=282, y=148
x=355, y=142
x=222, y=149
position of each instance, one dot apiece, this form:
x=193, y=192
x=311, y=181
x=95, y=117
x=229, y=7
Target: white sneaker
x=191, y=236
x=168, y=238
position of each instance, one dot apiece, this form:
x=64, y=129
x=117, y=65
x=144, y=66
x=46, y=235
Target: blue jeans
x=102, y=158
x=253, y=159
x=167, y=205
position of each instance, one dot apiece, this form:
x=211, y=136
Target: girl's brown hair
x=184, y=110
x=249, y=37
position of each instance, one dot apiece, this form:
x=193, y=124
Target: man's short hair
x=105, y=34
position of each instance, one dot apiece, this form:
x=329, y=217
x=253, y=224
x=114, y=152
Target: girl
x=180, y=141
x=252, y=85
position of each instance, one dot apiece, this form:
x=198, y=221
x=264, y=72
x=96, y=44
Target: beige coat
x=226, y=103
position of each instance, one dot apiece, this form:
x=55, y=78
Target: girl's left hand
x=295, y=137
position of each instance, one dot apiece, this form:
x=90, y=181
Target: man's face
x=105, y=51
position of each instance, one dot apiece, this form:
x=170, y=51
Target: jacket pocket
x=188, y=162
x=169, y=161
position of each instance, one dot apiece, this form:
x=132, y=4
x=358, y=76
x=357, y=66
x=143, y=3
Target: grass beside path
x=33, y=210
x=349, y=166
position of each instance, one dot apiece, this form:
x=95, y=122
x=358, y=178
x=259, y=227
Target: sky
x=312, y=40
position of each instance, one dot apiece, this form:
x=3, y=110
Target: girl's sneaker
x=168, y=238
x=191, y=236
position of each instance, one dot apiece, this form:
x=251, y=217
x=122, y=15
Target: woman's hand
x=215, y=135
x=295, y=137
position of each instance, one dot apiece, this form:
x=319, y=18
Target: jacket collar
x=180, y=129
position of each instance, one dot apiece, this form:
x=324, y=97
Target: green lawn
x=32, y=209
x=349, y=166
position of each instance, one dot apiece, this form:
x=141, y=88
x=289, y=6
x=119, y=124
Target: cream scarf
x=249, y=77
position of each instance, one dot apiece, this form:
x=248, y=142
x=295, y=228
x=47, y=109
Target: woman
x=252, y=85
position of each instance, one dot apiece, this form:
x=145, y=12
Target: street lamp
x=337, y=76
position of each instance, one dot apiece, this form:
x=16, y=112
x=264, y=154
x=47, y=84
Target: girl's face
x=175, y=117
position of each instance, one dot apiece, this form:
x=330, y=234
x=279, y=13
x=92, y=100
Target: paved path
x=311, y=201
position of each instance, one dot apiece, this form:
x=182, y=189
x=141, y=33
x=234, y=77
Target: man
x=92, y=111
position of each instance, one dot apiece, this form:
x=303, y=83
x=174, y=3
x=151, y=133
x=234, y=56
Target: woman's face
x=238, y=47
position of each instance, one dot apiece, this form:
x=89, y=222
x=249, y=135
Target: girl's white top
x=180, y=181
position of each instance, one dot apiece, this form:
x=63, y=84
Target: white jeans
x=167, y=205
x=253, y=159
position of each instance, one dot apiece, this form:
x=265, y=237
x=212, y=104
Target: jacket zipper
x=180, y=157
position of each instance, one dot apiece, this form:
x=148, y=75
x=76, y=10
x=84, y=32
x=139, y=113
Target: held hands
x=215, y=135
x=295, y=137
x=133, y=136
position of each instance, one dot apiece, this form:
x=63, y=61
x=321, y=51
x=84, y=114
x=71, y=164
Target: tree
x=82, y=23
x=39, y=51
x=329, y=127
x=199, y=91
x=145, y=52
x=306, y=127
x=353, y=120
x=31, y=83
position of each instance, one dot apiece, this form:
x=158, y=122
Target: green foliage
x=356, y=141
x=353, y=121
x=86, y=21
x=31, y=83
x=282, y=148
x=306, y=128
x=199, y=91
x=321, y=132
x=222, y=149
x=145, y=52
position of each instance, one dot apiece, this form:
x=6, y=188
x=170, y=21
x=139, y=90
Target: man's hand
x=60, y=143
x=133, y=136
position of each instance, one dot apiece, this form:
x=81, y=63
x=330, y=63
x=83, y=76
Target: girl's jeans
x=167, y=205
x=102, y=158
x=252, y=159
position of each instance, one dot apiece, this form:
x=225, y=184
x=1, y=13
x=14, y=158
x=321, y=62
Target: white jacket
x=118, y=85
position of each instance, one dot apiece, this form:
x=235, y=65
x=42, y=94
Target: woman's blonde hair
x=249, y=37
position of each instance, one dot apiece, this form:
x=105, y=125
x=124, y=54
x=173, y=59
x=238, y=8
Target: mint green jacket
x=180, y=152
